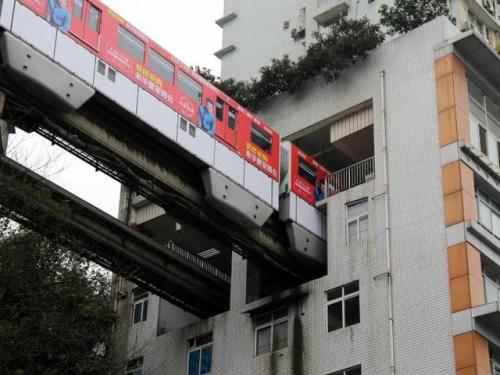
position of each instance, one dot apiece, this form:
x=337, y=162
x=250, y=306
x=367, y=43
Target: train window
x=161, y=66
x=78, y=9
x=131, y=44
x=232, y=118
x=101, y=67
x=189, y=86
x=307, y=171
x=94, y=18
x=219, y=109
x=261, y=138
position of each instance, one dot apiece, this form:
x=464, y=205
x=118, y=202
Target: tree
x=407, y=15
x=55, y=313
x=345, y=42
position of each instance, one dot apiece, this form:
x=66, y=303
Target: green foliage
x=345, y=42
x=407, y=15
x=55, y=315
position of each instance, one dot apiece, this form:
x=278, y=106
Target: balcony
x=350, y=177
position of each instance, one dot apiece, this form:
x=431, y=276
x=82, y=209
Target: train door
x=86, y=22
x=226, y=122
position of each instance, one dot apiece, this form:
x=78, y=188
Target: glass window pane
x=490, y=290
x=484, y=215
x=334, y=294
x=219, y=110
x=206, y=360
x=351, y=288
x=335, y=316
x=131, y=44
x=194, y=363
x=263, y=340
x=189, y=86
x=261, y=138
x=352, y=231
x=280, y=336
x=483, y=141
x=78, y=9
x=161, y=66
x=307, y=171
x=263, y=319
x=363, y=228
x=94, y=18
x=280, y=314
x=353, y=371
x=144, y=310
x=495, y=223
x=357, y=209
x=232, y=118
x=137, y=312
x=352, y=311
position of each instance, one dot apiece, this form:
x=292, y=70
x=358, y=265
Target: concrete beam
x=45, y=207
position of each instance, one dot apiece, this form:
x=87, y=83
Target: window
x=134, y=366
x=232, y=118
x=356, y=370
x=200, y=355
x=307, y=171
x=491, y=286
x=131, y=44
x=357, y=221
x=261, y=138
x=140, y=306
x=219, y=110
x=161, y=65
x=78, y=9
x=343, y=306
x=189, y=86
x=94, y=18
x=271, y=332
x=483, y=140
x=488, y=213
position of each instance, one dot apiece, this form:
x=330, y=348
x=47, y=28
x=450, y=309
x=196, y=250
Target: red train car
x=121, y=45
x=306, y=177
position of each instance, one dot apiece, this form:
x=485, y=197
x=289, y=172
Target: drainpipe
x=388, y=254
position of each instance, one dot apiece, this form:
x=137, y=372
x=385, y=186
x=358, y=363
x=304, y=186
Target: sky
x=185, y=28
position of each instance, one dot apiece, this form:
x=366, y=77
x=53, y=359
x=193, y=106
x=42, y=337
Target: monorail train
x=74, y=48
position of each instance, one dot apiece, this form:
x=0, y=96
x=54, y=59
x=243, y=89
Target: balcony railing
x=351, y=176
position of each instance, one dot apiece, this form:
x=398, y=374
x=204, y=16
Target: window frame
x=345, y=371
x=357, y=219
x=97, y=28
x=138, y=367
x=219, y=109
x=493, y=210
x=180, y=74
x=151, y=53
x=271, y=324
x=308, y=168
x=132, y=39
x=195, y=347
x=140, y=299
x=342, y=299
x=80, y=15
x=260, y=131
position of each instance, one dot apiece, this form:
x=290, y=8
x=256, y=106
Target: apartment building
x=247, y=24
x=412, y=279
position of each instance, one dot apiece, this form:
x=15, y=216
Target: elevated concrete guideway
x=169, y=271
x=135, y=155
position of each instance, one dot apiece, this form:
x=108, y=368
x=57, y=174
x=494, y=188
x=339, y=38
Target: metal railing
x=198, y=261
x=351, y=176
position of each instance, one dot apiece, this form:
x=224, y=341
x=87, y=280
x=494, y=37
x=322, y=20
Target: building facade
x=413, y=249
x=247, y=24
